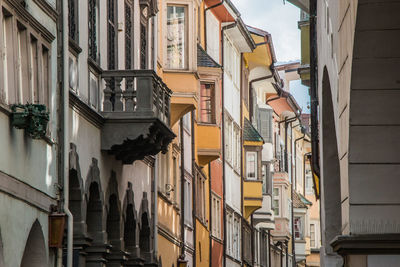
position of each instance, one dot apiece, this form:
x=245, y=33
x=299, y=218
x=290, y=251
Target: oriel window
x=207, y=103
x=176, y=37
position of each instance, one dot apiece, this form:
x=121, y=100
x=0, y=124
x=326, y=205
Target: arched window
x=144, y=237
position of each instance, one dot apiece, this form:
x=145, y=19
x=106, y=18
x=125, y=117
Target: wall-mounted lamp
x=56, y=229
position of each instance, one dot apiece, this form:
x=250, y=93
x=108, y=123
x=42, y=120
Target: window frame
x=212, y=100
x=187, y=5
x=216, y=228
x=277, y=198
x=12, y=85
x=255, y=153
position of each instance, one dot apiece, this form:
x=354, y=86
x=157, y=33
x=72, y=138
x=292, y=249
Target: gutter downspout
x=182, y=190
x=65, y=131
x=223, y=141
x=209, y=214
x=313, y=89
x=293, y=186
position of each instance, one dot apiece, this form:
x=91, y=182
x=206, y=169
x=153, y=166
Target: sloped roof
x=205, y=60
x=250, y=133
x=299, y=201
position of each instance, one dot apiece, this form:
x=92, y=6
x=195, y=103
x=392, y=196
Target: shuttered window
x=265, y=124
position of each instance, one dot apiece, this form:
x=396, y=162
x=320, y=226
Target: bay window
x=177, y=37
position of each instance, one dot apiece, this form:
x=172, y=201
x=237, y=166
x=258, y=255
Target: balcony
x=208, y=143
x=136, y=111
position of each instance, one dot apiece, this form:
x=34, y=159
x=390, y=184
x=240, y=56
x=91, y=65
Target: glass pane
x=176, y=37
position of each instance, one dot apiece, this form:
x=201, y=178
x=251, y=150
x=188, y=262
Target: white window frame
x=315, y=235
x=216, y=215
x=277, y=198
x=248, y=155
x=191, y=33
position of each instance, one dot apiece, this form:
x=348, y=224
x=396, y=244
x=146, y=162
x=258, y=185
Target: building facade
x=145, y=133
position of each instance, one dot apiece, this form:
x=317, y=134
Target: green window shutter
x=265, y=126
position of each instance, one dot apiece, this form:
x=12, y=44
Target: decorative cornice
x=367, y=244
x=25, y=192
x=85, y=111
x=47, y=8
x=169, y=236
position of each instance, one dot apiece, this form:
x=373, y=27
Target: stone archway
x=145, y=244
x=95, y=218
x=35, y=248
x=1, y=252
x=331, y=219
x=114, y=224
x=131, y=228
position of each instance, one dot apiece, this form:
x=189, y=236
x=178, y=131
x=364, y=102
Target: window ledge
x=217, y=239
x=184, y=71
x=74, y=47
x=5, y=109
x=252, y=181
x=94, y=65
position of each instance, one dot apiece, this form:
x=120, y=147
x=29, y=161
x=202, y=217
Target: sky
x=280, y=20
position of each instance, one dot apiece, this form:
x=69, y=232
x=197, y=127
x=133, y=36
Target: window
x=175, y=174
x=188, y=202
x=73, y=20
x=200, y=196
x=309, y=182
x=237, y=144
x=22, y=64
x=111, y=34
x=233, y=244
x=228, y=139
x=237, y=237
x=265, y=124
x=232, y=62
x=143, y=43
x=276, y=199
x=8, y=95
x=187, y=121
x=251, y=165
x=312, y=236
x=94, y=89
x=25, y=67
x=298, y=228
x=266, y=178
x=229, y=232
x=128, y=35
x=93, y=29
x=216, y=216
x=163, y=174
x=207, y=103
x=176, y=37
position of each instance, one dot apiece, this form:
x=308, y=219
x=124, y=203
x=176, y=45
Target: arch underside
x=374, y=120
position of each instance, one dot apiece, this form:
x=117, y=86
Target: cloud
x=278, y=19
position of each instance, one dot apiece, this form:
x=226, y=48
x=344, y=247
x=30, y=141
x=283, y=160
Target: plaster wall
x=16, y=224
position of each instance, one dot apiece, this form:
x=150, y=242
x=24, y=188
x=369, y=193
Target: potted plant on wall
x=31, y=117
